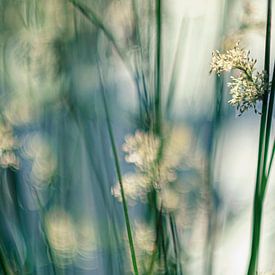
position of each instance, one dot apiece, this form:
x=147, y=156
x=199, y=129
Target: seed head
x=248, y=86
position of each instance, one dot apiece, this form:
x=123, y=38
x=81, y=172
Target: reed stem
x=265, y=126
x=119, y=175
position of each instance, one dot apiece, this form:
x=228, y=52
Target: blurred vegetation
x=116, y=145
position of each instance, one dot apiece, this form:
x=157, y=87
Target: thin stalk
x=176, y=243
x=171, y=221
x=95, y=169
x=268, y=126
x=257, y=206
x=158, y=226
x=214, y=135
x=271, y=160
x=139, y=44
x=164, y=249
x=175, y=69
x=262, y=155
x=92, y=17
x=119, y=175
x=253, y=265
x=158, y=66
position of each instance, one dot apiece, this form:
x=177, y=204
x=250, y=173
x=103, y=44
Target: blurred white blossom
x=145, y=238
x=142, y=150
x=169, y=199
x=44, y=161
x=61, y=235
x=71, y=241
x=135, y=187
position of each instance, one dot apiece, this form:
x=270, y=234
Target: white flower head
x=236, y=58
x=248, y=86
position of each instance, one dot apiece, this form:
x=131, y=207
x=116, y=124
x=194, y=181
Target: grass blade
x=119, y=175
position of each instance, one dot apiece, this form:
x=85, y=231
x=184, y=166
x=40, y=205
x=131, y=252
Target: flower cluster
x=247, y=87
x=135, y=187
x=141, y=149
x=153, y=172
x=246, y=93
x=236, y=58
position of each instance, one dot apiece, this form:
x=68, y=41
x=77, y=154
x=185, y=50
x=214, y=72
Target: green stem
x=175, y=68
x=119, y=175
x=158, y=66
x=271, y=160
x=176, y=243
x=262, y=156
x=257, y=199
x=253, y=265
x=268, y=128
x=155, y=252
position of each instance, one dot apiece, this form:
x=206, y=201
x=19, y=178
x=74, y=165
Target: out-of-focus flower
x=141, y=150
x=169, y=199
x=248, y=87
x=252, y=21
x=61, y=235
x=8, y=145
x=253, y=16
x=43, y=159
x=71, y=241
x=34, y=70
x=144, y=237
x=135, y=187
x=87, y=245
x=86, y=238
x=18, y=110
x=177, y=146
